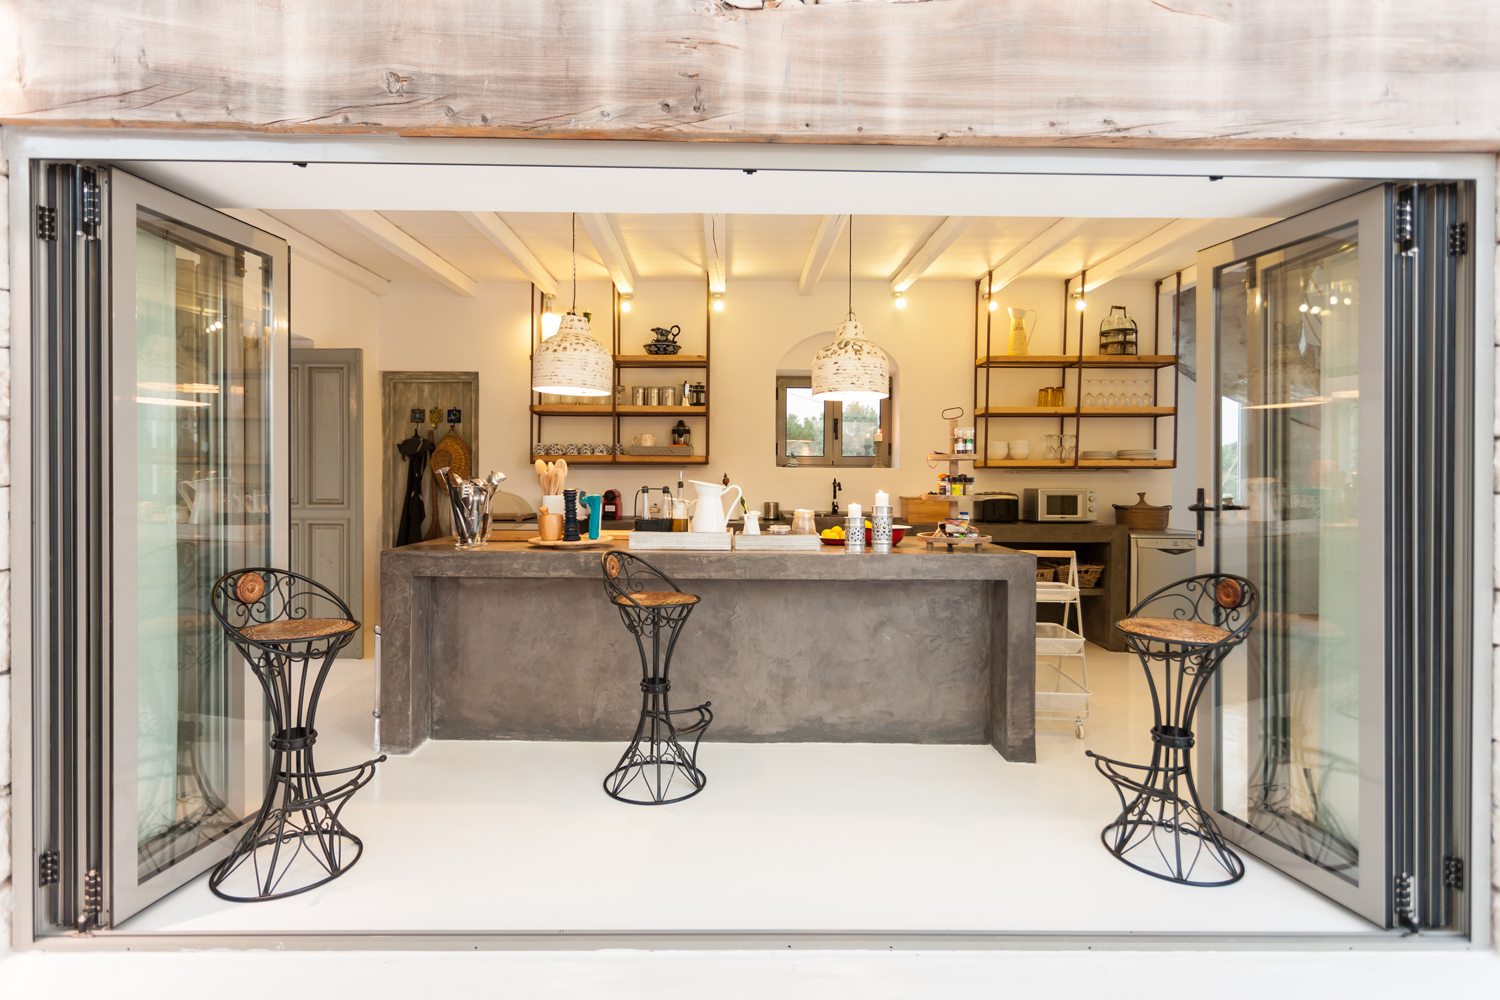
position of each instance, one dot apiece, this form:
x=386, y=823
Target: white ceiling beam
x=716, y=251
x=922, y=258
x=401, y=243
x=606, y=240
x=312, y=251
x=829, y=230
x=506, y=240
x=1032, y=252
x=1173, y=236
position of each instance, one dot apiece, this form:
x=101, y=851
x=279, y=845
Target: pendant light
x=572, y=362
x=851, y=368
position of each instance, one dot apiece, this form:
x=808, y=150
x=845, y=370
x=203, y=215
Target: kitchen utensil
x=1142, y=516
x=570, y=516
x=1019, y=448
x=668, y=395
x=752, y=522
x=653, y=395
x=771, y=510
x=551, y=527
x=553, y=502
x=666, y=340
x=204, y=498
x=1096, y=456
x=593, y=504
x=680, y=514
x=1118, y=334
x=470, y=501
x=644, y=440
x=714, y=506
x=1020, y=335
x=637, y=395
x=803, y=522
x=1137, y=453
x=682, y=435
x=699, y=394
x=997, y=451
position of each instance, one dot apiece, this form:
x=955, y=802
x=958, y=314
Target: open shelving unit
x=615, y=412
x=1071, y=418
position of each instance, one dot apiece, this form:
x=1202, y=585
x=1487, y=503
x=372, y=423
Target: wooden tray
x=582, y=543
x=933, y=539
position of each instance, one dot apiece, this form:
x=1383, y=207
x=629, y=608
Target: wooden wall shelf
x=585, y=410
x=661, y=360
x=1082, y=463
x=1076, y=361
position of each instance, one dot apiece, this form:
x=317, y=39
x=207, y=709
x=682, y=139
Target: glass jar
x=803, y=522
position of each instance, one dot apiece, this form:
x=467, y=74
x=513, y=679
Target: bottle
x=944, y=489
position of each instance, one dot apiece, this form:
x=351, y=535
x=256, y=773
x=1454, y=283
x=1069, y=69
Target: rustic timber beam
x=716, y=251
x=401, y=243
x=612, y=253
x=936, y=244
x=1174, y=236
x=508, y=242
x=960, y=72
x=1034, y=250
x=829, y=230
x=311, y=250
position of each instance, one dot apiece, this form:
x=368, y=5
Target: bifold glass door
x=198, y=443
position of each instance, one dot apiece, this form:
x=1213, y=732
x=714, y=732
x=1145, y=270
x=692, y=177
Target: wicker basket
x=1044, y=573
x=1142, y=516
x=1088, y=576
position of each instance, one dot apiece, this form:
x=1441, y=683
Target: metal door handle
x=1202, y=507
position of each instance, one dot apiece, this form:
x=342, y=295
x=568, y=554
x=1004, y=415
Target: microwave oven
x=1058, y=504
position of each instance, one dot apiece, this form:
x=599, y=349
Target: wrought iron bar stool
x=1181, y=633
x=654, y=609
x=290, y=629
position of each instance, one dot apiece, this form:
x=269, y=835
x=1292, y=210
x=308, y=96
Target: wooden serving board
x=582, y=543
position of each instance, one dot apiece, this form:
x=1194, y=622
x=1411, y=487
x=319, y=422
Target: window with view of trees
x=812, y=432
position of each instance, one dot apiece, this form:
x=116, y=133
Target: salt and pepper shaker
x=880, y=531
x=854, y=531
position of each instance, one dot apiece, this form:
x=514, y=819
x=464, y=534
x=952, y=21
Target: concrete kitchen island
x=510, y=642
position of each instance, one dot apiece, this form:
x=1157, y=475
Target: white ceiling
x=773, y=215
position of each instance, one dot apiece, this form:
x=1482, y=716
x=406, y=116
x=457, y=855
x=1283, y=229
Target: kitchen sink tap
x=834, y=510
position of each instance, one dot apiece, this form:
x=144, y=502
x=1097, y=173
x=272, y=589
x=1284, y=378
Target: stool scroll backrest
x=261, y=594
x=1223, y=599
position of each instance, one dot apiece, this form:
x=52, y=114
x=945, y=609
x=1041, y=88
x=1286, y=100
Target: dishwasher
x=1156, y=560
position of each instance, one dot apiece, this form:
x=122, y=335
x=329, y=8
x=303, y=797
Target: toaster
x=997, y=508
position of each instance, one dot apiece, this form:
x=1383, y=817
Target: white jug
x=204, y=498
x=713, y=507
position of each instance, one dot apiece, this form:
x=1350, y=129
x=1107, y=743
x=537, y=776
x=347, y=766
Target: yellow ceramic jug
x=1020, y=334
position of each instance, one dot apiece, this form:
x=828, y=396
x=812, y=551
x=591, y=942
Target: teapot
x=713, y=509
x=1020, y=335
x=204, y=498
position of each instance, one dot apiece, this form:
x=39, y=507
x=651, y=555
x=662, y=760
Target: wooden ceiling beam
x=311, y=250
x=944, y=236
x=508, y=242
x=1173, y=236
x=1034, y=250
x=716, y=251
x=830, y=228
x=611, y=250
x=401, y=243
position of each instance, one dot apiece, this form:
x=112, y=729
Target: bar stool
x=290, y=629
x=654, y=610
x=1181, y=633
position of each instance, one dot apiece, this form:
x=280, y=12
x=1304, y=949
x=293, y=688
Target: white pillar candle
x=882, y=498
x=854, y=510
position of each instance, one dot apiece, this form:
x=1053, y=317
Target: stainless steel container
x=653, y=396
x=637, y=395
x=669, y=395
x=880, y=531
x=770, y=510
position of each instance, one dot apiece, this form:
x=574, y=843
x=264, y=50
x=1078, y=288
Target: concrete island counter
x=511, y=642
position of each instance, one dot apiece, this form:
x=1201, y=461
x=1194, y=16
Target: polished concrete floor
x=502, y=837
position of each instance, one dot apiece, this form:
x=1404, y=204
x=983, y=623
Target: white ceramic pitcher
x=713, y=506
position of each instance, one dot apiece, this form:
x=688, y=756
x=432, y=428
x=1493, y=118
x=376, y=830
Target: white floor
x=479, y=837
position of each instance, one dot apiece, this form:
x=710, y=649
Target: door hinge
x=46, y=223
x=1453, y=872
x=90, y=212
x=46, y=868
x=1458, y=239
x=1404, y=909
x=1406, y=239
x=93, y=900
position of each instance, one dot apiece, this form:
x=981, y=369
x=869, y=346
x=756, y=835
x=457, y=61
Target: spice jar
x=803, y=522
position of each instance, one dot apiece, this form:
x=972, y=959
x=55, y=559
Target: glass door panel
x=1294, y=381
x=199, y=362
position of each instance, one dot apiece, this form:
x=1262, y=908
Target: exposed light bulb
x=900, y=298
x=718, y=302
x=625, y=303
x=1302, y=307
x=994, y=305
x=1315, y=310
x=1079, y=302
x=550, y=322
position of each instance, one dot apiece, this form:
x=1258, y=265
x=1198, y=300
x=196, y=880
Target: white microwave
x=1058, y=505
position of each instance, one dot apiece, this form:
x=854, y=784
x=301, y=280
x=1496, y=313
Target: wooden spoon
x=541, y=474
x=562, y=475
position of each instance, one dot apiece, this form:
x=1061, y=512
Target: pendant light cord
x=575, y=263
x=851, y=267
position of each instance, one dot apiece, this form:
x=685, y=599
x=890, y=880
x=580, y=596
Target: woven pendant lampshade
x=852, y=368
x=572, y=362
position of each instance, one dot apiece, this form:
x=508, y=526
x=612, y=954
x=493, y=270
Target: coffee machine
x=611, y=510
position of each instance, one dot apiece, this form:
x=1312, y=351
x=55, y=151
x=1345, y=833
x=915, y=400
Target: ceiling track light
x=625, y=305
x=718, y=301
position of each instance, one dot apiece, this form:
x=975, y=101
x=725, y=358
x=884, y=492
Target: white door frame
x=22, y=146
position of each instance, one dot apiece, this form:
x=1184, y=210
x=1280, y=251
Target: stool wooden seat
x=298, y=630
x=1173, y=630
x=656, y=598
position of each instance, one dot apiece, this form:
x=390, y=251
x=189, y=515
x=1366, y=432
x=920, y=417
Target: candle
x=882, y=498
x=879, y=435
x=854, y=510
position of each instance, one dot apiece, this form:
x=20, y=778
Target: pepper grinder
x=570, y=516
x=880, y=532
x=854, y=531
